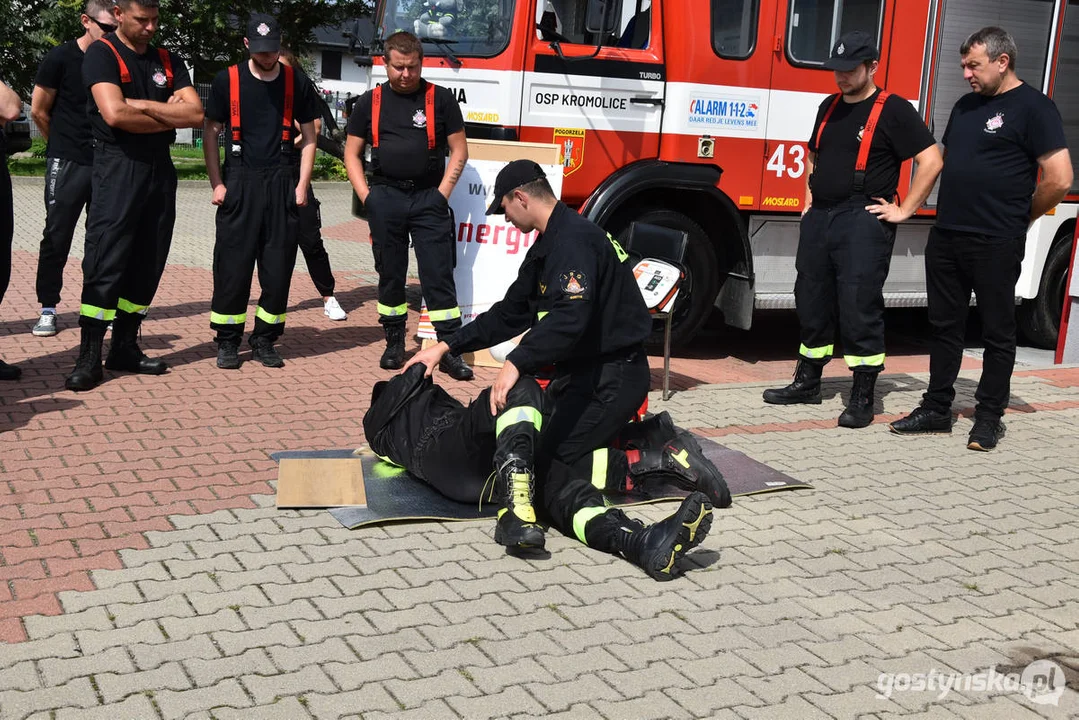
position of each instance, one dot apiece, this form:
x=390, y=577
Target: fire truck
x=695, y=114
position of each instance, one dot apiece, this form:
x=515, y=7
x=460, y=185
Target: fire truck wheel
x=699, y=289
x=1039, y=319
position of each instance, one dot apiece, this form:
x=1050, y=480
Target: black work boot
x=455, y=367
x=393, y=357
x=805, y=390
x=124, y=353
x=651, y=433
x=228, y=354
x=9, y=372
x=87, y=373
x=859, y=412
x=517, y=527
x=682, y=463
x=657, y=548
x=263, y=351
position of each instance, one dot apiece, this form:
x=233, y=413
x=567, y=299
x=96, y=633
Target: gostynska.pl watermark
x=1042, y=682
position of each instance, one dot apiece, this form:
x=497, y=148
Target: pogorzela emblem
x=263, y=29
x=573, y=283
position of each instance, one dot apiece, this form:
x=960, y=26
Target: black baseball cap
x=511, y=177
x=263, y=33
x=852, y=49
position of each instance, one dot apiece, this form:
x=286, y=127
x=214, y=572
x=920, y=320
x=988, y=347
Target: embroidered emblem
x=861, y=132
x=543, y=288
x=841, y=49
x=419, y=119
x=994, y=123
x=263, y=29
x=159, y=77
x=573, y=283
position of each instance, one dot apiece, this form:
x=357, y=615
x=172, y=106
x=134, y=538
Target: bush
x=37, y=147
x=327, y=167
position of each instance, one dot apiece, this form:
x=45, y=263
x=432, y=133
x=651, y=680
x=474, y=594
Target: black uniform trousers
x=844, y=253
x=393, y=214
x=314, y=250
x=955, y=264
x=67, y=192
x=128, y=233
x=7, y=225
x=589, y=408
x=257, y=225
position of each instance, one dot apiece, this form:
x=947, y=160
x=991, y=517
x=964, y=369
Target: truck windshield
x=464, y=28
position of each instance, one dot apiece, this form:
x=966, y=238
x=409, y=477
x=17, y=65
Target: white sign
x=490, y=250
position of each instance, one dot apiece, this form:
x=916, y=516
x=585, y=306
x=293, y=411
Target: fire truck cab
x=695, y=114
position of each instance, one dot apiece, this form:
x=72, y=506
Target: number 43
x=788, y=159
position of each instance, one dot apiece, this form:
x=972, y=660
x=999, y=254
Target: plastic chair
x=644, y=241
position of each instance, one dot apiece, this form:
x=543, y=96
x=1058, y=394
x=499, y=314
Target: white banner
x=489, y=249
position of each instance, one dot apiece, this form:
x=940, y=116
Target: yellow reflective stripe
x=582, y=517
x=541, y=314
x=516, y=415
x=92, y=311
x=817, y=353
x=439, y=315
x=599, y=468
x=622, y=254
x=864, y=360
x=269, y=317
x=130, y=307
x=681, y=458
x=219, y=319
x=385, y=459
x=394, y=311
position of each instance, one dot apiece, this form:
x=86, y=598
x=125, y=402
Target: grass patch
x=190, y=165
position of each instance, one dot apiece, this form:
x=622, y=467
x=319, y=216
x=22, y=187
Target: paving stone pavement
x=146, y=573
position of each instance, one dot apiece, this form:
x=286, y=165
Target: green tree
x=208, y=33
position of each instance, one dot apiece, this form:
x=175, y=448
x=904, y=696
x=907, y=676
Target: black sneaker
x=265, y=352
x=228, y=355
x=923, y=421
x=985, y=434
x=657, y=548
x=455, y=367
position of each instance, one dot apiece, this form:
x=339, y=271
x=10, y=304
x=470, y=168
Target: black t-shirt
x=402, y=152
x=148, y=82
x=69, y=127
x=262, y=112
x=901, y=134
x=991, y=166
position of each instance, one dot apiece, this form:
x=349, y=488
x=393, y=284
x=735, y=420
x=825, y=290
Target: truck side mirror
x=601, y=17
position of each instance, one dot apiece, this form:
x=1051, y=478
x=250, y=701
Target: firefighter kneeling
x=860, y=140
x=418, y=425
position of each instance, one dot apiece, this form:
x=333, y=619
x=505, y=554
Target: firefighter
x=576, y=291
x=409, y=124
x=861, y=137
x=58, y=107
x=310, y=233
x=263, y=188
x=999, y=138
x=138, y=96
x=417, y=425
x=10, y=109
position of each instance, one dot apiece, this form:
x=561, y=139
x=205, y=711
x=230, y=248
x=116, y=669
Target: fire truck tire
x=1039, y=318
x=699, y=289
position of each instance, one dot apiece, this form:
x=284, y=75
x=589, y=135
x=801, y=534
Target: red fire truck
x=695, y=114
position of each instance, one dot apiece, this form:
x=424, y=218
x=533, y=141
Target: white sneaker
x=333, y=310
x=46, y=325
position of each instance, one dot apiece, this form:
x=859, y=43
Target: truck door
x=604, y=111
x=804, y=36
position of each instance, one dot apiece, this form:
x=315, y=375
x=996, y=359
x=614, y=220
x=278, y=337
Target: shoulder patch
x=574, y=283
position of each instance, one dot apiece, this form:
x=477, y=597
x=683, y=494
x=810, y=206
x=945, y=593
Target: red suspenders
x=125, y=74
x=428, y=109
x=867, y=135
x=234, y=105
